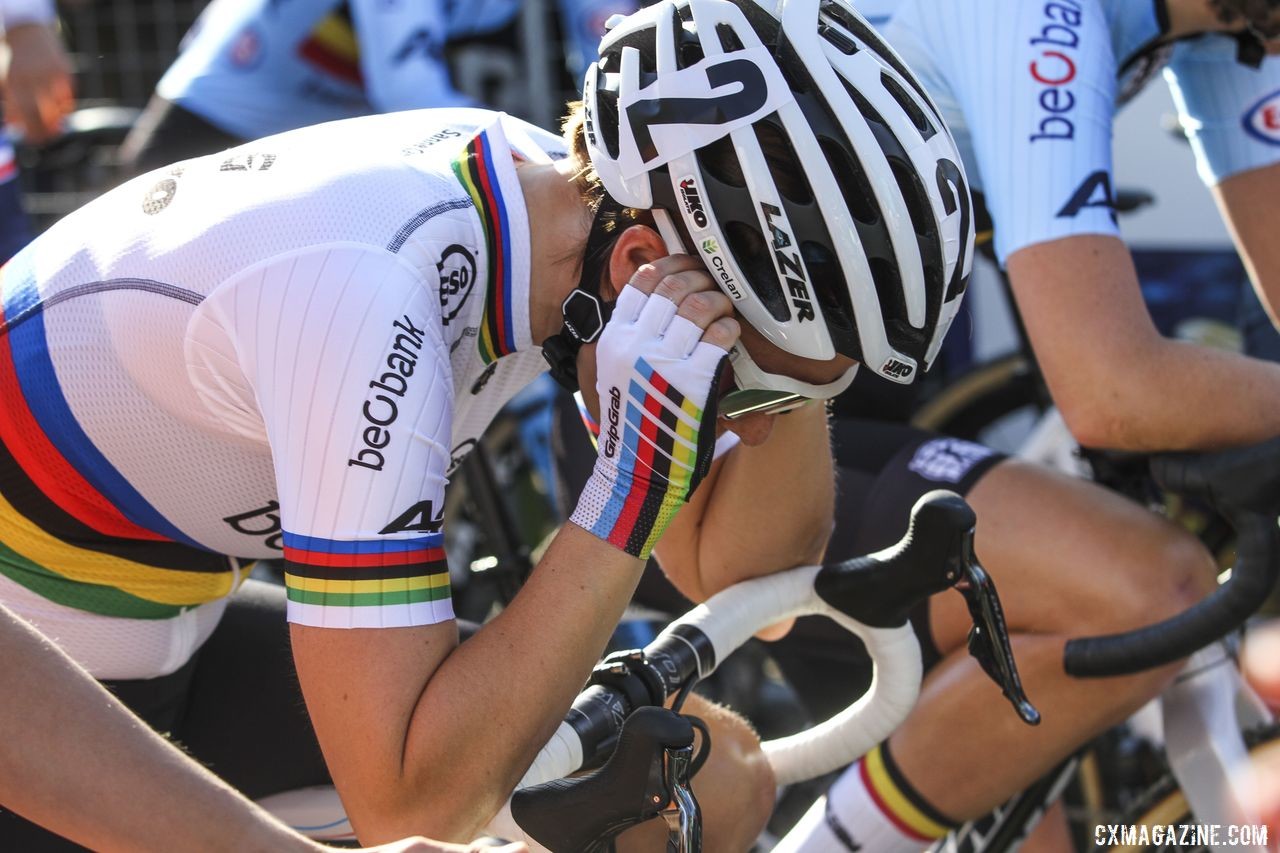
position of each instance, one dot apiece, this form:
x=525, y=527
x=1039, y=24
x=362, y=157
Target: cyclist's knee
x=736, y=786
x=1175, y=572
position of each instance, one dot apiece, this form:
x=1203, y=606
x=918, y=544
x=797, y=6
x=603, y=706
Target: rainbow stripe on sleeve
x=334, y=583
x=474, y=168
x=663, y=443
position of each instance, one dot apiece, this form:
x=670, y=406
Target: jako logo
x=895, y=369
x=692, y=201
x=1055, y=68
x=611, y=437
x=1262, y=121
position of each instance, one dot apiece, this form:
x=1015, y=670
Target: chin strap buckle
x=584, y=319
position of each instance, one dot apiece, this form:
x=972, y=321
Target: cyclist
x=251, y=68
x=1031, y=90
x=131, y=789
x=286, y=347
x=38, y=92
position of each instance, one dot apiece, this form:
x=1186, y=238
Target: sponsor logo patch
x=895, y=369
x=261, y=522
x=711, y=248
x=380, y=410
x=947, y=460
x=246, y=50
x=1262, y=121
x=457, y=268
x=611, y=437
x=1053, y=68
x=693, y=202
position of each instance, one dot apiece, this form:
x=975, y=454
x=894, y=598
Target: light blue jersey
x=257, y=67
x=1030, y=91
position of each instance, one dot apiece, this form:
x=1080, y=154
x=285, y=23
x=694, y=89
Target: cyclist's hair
x=1256, y=13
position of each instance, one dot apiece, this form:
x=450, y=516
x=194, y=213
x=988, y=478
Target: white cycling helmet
x=858, y=241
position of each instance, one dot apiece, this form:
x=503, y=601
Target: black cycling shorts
x=882, y=468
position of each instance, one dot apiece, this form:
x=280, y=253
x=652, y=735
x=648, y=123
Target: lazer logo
x=895, y=369
x=611, y=437
x=589, y=124
x=380, y=411
x=693, y=202
x=1262, y=121
x=788, y=264
x=712, y=248
x=1055, y=69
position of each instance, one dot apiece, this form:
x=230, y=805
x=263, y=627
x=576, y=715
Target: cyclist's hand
x=658, y=368
x=424, y=845
x=37, y=88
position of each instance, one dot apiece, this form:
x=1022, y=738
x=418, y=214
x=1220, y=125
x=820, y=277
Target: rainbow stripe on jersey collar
x=476, y=171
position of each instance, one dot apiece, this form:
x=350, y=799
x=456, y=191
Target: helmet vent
x=607, y=120
x=784, y=166
x=863, y=32
x=720, y=161
x=926, y=228
x=729, y=40
x=838, y=39
x=893, y=308
x=851, y=181
x=752, y=254
x=909, y=106
x=833, y=297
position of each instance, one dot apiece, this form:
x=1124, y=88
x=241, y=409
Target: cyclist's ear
x=634, y=247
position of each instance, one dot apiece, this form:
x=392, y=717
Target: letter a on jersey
x=419, y=518
x=1094, y=192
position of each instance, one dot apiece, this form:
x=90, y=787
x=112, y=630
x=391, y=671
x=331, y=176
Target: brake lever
x=682, y=813
x=989, y=638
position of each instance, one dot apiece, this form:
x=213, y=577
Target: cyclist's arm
x=422, y=732
x=1230, y=112
x=1117, y=381
x=402, y=55
x=75, y=760
x=1250, y=206
x=762, y=509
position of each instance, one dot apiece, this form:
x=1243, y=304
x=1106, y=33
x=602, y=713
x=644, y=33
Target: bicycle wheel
x=979, y=401
x=1164, y=803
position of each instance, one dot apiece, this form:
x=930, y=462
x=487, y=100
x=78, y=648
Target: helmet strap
x=584, y=312
x=1250, y=49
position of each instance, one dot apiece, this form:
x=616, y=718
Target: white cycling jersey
x=257, y=67
x=281, y=349
x=1030, y=90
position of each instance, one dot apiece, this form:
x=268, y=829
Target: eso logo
x=1262, y=121
x=457, y=268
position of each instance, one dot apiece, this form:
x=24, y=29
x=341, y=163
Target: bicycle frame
x=1202, y=715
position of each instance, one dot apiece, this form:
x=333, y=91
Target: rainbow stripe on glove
x=656, y=450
